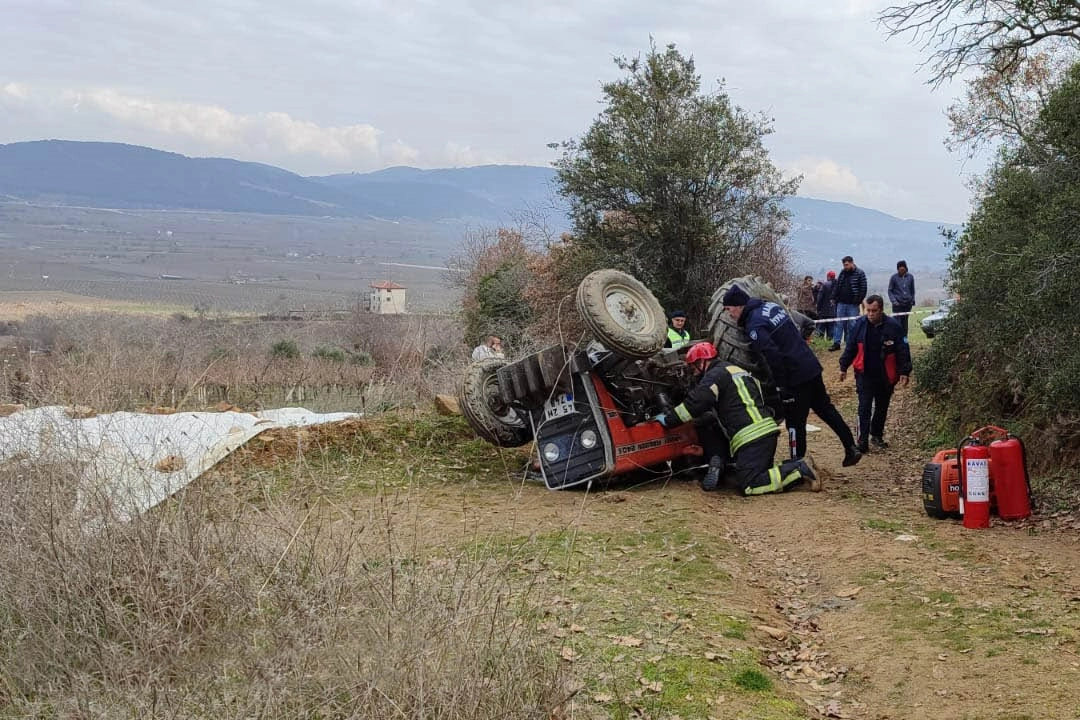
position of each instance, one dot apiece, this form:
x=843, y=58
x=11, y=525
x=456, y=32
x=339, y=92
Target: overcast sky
x=324, y=86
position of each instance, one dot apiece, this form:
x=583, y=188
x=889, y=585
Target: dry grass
x=211, y=606
x=111, y=361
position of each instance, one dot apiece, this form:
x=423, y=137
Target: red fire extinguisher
x=1012, y=486
x=974, y=482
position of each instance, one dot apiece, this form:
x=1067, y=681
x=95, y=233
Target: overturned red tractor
x=588, y=406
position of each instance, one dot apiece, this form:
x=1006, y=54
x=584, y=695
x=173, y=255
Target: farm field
x=227, y=262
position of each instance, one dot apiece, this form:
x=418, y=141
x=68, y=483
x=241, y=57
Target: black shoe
x=712, y=476
x=834, y=347
x=851, y=456
x=879, y=442
x=863, y=446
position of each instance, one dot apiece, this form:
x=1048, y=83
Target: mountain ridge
x=131, y=176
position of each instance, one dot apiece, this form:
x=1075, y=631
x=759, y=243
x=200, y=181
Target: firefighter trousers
x=756, y=472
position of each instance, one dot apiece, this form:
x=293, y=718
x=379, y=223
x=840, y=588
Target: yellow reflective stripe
x=738, y=376
x=791, y=477
x=773, y=486
x=760, y=429
x=748, y=401
x=682, y=413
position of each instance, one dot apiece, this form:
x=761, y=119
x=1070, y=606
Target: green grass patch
x=889, y=526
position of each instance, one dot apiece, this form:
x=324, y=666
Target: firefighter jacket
x=773, y=333
x=736, y=397
x=677, y=338
x=850, y=287
x=879, y=351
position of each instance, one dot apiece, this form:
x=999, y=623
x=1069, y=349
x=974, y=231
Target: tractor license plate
x=559, y=406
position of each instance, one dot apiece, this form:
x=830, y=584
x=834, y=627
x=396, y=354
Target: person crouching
x=746, y=422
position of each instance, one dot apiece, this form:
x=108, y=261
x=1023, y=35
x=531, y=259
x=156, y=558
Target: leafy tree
x=1011, y=350
x=671, y=184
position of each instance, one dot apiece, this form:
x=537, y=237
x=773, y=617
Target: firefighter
x=735, y=396
x=677, y=334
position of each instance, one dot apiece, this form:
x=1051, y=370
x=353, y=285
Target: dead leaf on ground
x=627, y=641
x=568, y=654
x=850, y=592
x=655, y=686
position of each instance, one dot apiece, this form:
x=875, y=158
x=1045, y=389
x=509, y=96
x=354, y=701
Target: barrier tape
x=856, y=317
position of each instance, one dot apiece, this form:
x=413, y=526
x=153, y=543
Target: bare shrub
x=212, y=607
x=123, y=362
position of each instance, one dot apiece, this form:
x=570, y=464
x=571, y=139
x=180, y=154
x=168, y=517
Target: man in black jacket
x=794, y=367
x=902, y=293
x=849, y=292
x=735, y=396
x=878, y=352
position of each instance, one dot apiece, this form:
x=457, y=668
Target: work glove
x=787, y=398
x=665, y=420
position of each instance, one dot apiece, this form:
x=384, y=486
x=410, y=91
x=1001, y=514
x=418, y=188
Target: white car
x=931, y=324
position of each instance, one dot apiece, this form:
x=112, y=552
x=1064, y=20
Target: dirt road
x=858, y=604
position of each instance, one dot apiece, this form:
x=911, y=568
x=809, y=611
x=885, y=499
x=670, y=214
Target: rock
x=447, y=405
x=170, y=463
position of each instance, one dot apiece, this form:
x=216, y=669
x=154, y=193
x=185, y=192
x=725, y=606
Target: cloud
x=827, y=179
x=202, y=128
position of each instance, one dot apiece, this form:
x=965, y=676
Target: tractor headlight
x=551, y=452
x=588, y=439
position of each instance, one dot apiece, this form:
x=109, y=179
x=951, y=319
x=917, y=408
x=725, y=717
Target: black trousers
x=902, y=319
x=812, y=395
x=875, y=394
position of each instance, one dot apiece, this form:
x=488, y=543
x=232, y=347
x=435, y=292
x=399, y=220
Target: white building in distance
x=386, y=298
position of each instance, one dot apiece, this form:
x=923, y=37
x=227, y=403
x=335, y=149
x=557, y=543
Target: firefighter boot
x=713, y=474
x=879, y=442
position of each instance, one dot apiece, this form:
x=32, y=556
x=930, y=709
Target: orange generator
x=941, y=486
x=987, y=472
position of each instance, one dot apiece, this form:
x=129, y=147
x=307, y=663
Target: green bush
x=1010, y=351
x=326, y=352
x=285, y=350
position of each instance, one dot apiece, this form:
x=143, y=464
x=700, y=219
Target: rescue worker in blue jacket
x=878, y=351
x=795, y=369
x=677, y=334
x=736, y=398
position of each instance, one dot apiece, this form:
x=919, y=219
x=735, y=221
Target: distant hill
x=129, y=176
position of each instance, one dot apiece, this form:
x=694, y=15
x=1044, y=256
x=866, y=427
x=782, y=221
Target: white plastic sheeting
x=136, y=460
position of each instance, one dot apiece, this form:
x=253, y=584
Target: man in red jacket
x=878, y=351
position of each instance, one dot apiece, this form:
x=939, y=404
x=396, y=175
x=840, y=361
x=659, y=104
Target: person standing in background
x=805, y=300
x=849, y=292
x=902, y=293
x=826, y=304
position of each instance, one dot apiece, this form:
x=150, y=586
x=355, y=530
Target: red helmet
x=700, y=351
